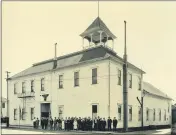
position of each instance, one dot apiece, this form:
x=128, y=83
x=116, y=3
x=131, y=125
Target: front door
x=45, y=110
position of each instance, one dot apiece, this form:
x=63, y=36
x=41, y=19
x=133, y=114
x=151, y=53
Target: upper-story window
x=94, y=76
x=23, y=87
x=60, y=81
x=15, y=89
x=76, y=79
x=32, y=85
x=119, y=77
x=130, y=80
x=139, y=83
x=42, y=84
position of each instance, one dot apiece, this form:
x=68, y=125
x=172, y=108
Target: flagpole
x=125, y=87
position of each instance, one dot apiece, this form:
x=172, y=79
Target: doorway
x=45, y=110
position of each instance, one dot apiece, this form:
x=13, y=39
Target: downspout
x=109, y=101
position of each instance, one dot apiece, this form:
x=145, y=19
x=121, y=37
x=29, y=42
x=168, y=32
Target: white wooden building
x=77, y=83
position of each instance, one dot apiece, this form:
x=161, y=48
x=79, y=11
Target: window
x=3, y=105
x=94, y=76
x=23, y=114
x=153, y=114
x=130, y=80
x=42, y=84
x=159, y=114
x=139, y=83
x=119, y=77
x=119, y=112
x=32, y=113
x=168, y=107
x=15, y=114
x=61, y=109
x=139, y=113
x=76, y=79
x=130, y=113
x=32, y=86
x=23, y=87
x=15, y=91
x=60, y=81
x=147, y=114
x=165, y=115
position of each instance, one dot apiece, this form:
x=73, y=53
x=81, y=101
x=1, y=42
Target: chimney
x=55, y=57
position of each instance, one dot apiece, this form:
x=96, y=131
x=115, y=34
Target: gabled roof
x=97, y=25
x=149, y=88
x=87, y=55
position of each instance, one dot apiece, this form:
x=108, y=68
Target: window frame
x=32, y=85
x=24, y=87
x=94, y=76
x=23, y=116
x=119, y=106
x=139, y=113
x=32, y=113
x=130, y=80
x=130, y=107
x=15, y=114
x=42, y=84
x=119, y=76
x=76, y=79
x=15, y=89
x=61, y=82
x=147, y=114
x=139, y=83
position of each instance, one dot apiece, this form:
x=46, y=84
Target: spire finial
x=98, y=8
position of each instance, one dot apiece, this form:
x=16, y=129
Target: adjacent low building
x=87, y=83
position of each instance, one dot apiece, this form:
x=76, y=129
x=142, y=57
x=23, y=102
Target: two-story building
x=87, y=83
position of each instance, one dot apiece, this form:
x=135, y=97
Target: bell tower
x=98, y=34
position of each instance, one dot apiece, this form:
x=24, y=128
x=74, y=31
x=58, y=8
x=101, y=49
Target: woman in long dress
x=75, y=124
x=63, y=124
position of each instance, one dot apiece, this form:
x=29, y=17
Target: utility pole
x=7, y=72
x=125, y=90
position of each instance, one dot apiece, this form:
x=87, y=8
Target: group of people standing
x=73, y=123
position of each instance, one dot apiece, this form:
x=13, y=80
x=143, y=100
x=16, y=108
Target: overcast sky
x=30, y=29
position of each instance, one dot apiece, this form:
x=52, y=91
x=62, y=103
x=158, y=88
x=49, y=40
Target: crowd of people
x=73, y=123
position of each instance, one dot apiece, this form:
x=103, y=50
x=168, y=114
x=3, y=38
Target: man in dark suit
x=104, y=124
x=109, y=123
x=114, y=123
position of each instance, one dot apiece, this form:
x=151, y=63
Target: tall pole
x=7, y=72
x=125, y=91
x=142, y=101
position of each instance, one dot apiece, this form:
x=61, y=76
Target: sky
x=30, y=29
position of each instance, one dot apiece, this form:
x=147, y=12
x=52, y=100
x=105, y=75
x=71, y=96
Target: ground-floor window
x=23, y=114
x=139, y=113
x=61, y=110
x=119, y=112
x=159, y=114
x=130, y=113
x=153, y=114
x=147, y=114
x=32, y=113
x=15, y=114
x=165, y=115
